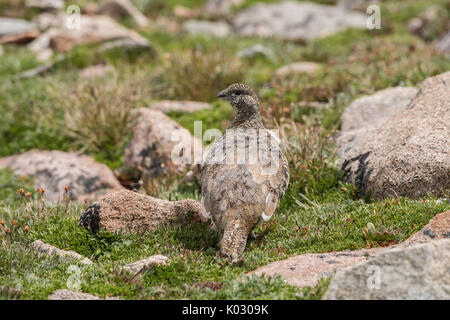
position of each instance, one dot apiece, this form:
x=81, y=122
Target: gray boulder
x=220, y=7
x=44, y=249
x=437, y=228
x=54, y=170
x=167, y=106
x=408, y=155
x=123, y=9
x=207, y=28
x=443, y=44
x=160, y=146
x=96, y=29
x=11, y=26
x=298, y=67
x=296, y=21
x=65, y=294
x=357, y=4
x=143, y=266
x=368, y=113
x=307, y=269
x=96, y=71
x=256, y=51
x=46, y=5
x=417, y=272
x=17, y=31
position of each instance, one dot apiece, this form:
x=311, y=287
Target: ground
x=318, y=213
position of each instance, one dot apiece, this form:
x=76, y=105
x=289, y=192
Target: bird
x=238, y=195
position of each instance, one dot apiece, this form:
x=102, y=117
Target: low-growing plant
x=198, y=74
x=311, y=156
x=99, y=118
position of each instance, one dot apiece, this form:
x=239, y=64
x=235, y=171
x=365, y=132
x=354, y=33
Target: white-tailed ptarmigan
x=244, y=174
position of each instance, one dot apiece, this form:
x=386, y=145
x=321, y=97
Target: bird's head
x=241, y=97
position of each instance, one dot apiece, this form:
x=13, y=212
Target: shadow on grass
x=195, y=235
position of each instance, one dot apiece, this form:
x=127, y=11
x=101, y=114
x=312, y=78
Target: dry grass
x=199, y=74
x=99, y=118
x=310, y=152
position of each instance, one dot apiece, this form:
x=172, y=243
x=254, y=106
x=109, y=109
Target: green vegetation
x=195, y=271
x=318, y=212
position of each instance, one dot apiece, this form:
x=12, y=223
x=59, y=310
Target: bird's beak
x=221, y=94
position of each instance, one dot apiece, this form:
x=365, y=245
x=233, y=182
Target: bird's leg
x=233, y=242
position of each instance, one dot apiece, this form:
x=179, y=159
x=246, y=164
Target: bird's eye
x=238, y=93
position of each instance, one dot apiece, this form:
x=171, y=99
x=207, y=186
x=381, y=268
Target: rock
x=46, y=20
x=296, y=21
x=298, y=67
x=207, y=28
x=123, y=9
x=160, y=146
x=65, y=294
x=437, y=228
x=20, y=38
x=368, y=113
x=46, y=4
x=255, y=51
x=356, y=4
x=143, y=266
x=95, y=71
x=418, y=272
x=91, y=9
x=167, y=24
x=61, y=43
x=11, y=26
x=45, y=55
x=443, y=44
x=44, y=249
x=167, y=106
x=54, y=170
x=17, y=30
x=92, y=29
x=374, y=110
x=418, y=24
x=126, y=212
x=408, y=155
x=127, y=44
x=431, y=24
x=183, y=12
x=220, y=7
x=307, y=269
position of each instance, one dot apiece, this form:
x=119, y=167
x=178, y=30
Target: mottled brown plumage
x=240, y=194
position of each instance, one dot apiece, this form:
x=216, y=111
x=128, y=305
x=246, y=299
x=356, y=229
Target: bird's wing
x=273, y=185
